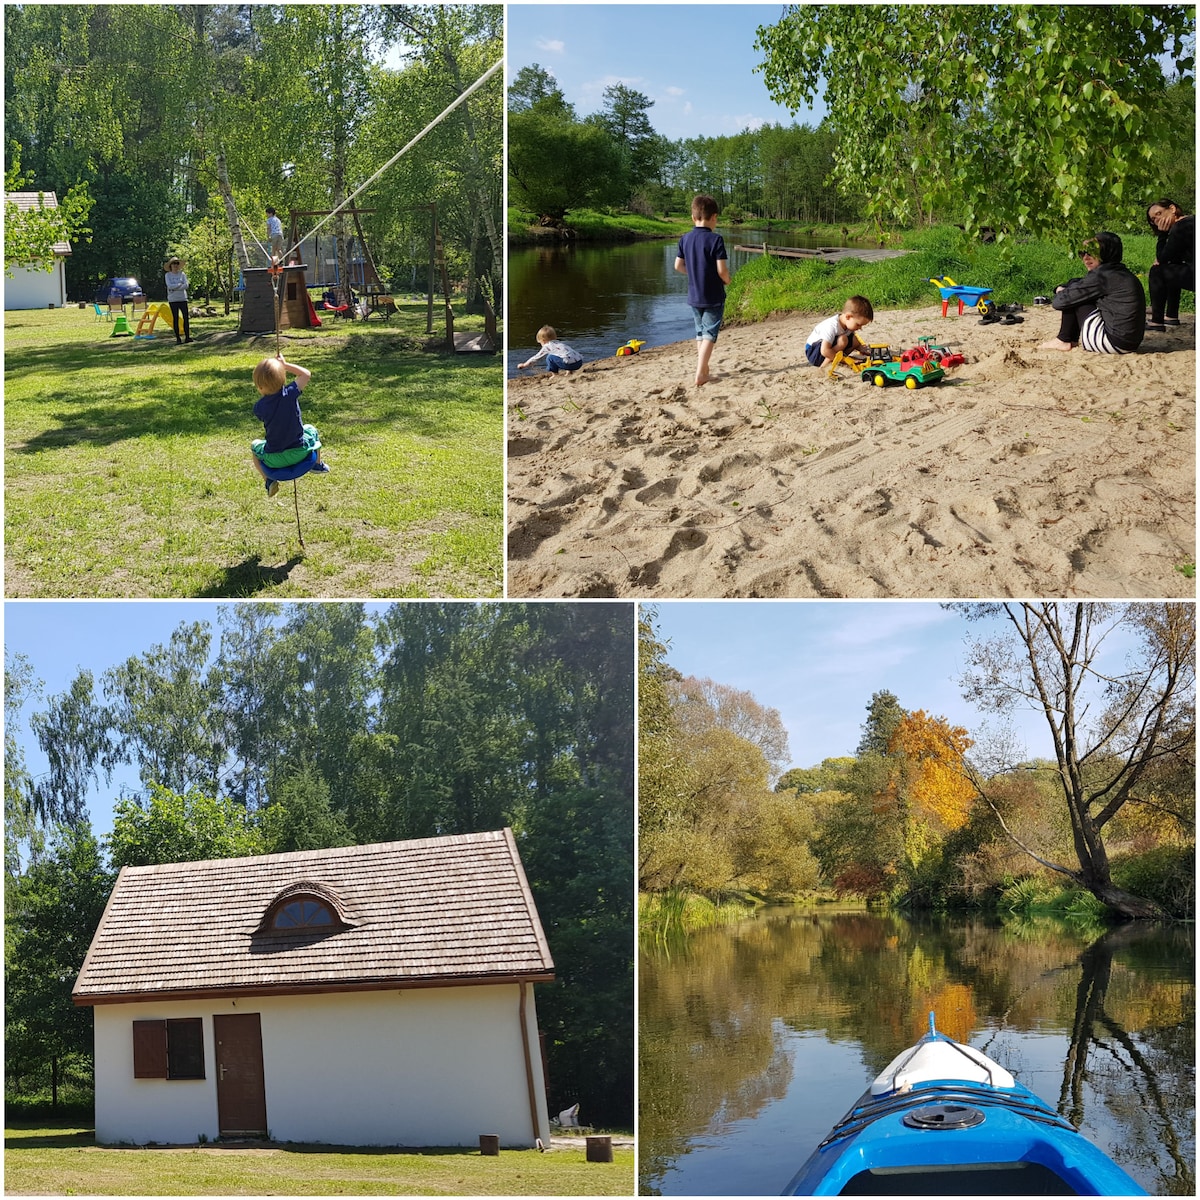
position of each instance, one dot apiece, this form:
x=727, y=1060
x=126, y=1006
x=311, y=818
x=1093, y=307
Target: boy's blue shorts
x=708, y=321
x=813, y=353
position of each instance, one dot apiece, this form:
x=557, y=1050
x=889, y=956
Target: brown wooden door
x=241, y=1089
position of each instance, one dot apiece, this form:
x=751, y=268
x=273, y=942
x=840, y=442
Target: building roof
x=427, y=913
x=25, y=201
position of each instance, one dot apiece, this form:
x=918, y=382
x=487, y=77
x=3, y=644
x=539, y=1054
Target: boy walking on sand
x=702, y=258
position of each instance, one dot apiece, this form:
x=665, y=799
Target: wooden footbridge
x=824, y=253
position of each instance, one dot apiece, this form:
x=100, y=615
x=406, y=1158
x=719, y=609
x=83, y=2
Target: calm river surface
x=755, y=1038
x=598, y=297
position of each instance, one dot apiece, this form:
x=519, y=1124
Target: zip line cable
x=278, y=306
x=276, y=269
x=404, y=150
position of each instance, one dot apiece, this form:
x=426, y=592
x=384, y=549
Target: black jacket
x=1118, y=295
x=1178, y=244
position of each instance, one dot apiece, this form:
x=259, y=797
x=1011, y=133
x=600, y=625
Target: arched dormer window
x=304, y=907
x=304, y=912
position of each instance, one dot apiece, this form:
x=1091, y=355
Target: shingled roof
x=427, y=913
x=31, y=201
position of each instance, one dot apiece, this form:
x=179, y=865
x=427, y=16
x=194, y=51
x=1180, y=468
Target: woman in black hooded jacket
x=1105, y=311
x=1174, y=268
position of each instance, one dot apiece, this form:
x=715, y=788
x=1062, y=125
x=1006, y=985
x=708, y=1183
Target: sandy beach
x=1026, y=472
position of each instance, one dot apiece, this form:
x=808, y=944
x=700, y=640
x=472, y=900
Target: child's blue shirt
x=701, y=248
x=280, y=414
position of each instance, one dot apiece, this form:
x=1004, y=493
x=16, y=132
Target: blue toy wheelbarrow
x=967, y=297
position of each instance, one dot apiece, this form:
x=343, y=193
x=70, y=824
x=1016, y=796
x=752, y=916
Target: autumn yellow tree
x=930, y=756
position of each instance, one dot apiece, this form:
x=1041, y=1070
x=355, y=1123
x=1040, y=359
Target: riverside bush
x=1166, y=874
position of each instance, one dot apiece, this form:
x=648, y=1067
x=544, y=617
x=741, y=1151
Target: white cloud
x=551, y=45
x=596, y=87
x=674, y=91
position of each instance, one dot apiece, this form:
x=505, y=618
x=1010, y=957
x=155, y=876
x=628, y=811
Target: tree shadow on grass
x=375, y=392
x=248, y=578
x=39, y=1139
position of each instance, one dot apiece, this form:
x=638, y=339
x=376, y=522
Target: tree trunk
x=1126, y=905
x=231, y=213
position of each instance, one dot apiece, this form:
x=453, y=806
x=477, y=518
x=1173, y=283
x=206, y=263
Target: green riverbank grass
x=128, y=470
x=591, y=226
x=62, y=1159
x=662, y=914
x=1016, y=272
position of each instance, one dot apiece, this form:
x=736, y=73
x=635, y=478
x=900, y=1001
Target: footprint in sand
x=664, y=487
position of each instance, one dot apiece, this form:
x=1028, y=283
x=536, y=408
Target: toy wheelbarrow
x=969, y=297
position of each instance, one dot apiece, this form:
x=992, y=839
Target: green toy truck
x=912, y=374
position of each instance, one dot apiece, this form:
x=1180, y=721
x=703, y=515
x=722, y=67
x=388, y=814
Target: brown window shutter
x=149, y=1049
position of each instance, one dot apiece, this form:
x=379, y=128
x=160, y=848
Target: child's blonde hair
x=270, y=376
x=546, y=334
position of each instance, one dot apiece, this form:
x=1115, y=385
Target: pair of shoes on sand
x=996, y=318
x=1161, y=325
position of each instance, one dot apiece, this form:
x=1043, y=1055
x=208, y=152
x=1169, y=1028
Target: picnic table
x=381, y=303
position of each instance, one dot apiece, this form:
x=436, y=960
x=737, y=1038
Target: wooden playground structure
x=258, y=300
x=377, y=299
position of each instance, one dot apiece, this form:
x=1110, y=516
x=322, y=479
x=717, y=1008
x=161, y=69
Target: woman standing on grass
x=177, y=298
x=1174, y=269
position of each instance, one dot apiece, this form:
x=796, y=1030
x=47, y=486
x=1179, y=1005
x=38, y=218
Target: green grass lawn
x=128, y=470
x=63, y=1160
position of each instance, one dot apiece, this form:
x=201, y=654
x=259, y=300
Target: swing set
x=289, y=294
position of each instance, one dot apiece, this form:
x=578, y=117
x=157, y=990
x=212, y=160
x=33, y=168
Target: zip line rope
x=404, y=150
x=276, y=269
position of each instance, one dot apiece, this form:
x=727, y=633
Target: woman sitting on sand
x=1105, y=311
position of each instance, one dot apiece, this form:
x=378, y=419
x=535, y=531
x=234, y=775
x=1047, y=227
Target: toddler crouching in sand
x=558, y=355
x=840, y=333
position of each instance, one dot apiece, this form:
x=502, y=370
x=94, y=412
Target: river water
x=755, y=1038
x=597, y=297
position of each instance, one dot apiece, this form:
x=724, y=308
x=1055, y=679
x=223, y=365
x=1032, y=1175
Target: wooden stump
x=599, y=1149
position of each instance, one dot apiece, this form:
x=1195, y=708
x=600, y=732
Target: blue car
x=124, y=285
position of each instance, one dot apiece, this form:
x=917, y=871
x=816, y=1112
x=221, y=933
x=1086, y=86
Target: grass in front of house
x=128, y=470
x=63, y=1159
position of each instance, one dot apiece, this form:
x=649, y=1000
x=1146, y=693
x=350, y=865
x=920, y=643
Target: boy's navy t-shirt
x=280, y=414
x=700, y=248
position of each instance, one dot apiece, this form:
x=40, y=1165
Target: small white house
x=366, y=995
x=33, y=286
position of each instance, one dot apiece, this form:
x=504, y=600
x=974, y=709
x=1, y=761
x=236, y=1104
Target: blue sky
x=819, y=663
x=61, y=637
x=695, y=61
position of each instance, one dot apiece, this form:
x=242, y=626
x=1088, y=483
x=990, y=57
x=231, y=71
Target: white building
x=32, y=286
x=366, y=995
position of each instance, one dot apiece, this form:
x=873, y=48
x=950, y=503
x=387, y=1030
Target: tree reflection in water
x=1138, y=1070
x=754, y=1039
